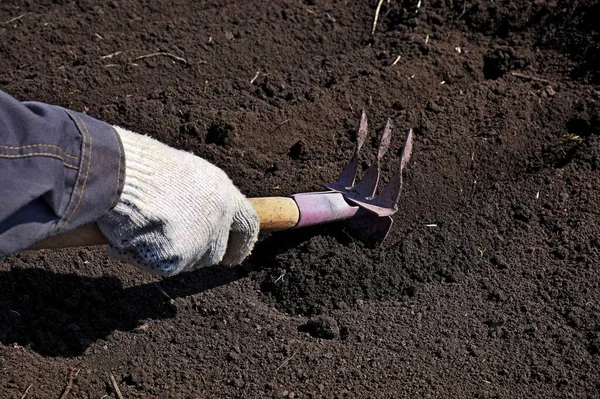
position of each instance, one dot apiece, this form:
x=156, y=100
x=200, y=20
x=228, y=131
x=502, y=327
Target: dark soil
x=489, y=283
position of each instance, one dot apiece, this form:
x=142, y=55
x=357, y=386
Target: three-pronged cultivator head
x=367, y=211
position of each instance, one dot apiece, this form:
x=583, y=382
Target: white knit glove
x=177, y=211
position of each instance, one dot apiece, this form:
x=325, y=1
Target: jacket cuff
x=100, y=176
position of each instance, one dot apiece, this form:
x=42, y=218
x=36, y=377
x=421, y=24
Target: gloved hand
x=177, y=211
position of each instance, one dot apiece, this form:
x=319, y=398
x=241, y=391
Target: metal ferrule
x=322, y=207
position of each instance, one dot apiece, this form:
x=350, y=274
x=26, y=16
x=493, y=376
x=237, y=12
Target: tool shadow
x=61, y=315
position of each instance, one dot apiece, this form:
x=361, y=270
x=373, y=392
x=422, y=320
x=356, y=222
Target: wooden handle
x=276, y=213
x=84, y=236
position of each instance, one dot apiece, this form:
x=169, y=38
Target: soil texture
x=488, y=285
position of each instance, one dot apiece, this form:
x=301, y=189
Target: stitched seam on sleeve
x=87, y=173
x=41, y=154
x=8, y=147
x=114, y=199
x=79, y=171
x=70, y=166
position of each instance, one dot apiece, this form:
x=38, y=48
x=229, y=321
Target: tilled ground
x=489, y=284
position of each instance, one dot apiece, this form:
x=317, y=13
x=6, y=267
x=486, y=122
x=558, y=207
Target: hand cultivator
x=367, y=215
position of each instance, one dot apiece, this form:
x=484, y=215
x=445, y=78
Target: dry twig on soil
x=255, y=77
x=69, y=386
x=110, y=55
x=173, y=56
x=523, y=76
x=286, y=361
x=115, y=387
x=281, y=124
x=464, y=10
x=15, y=19
x=26, y=391
x=376, y=16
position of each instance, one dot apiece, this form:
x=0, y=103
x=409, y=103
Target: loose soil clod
x=322, y=327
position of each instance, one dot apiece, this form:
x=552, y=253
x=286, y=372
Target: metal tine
x=390, y=194
x=345, y=180
x=366, y=187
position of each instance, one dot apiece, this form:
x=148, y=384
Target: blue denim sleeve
x=59, y=170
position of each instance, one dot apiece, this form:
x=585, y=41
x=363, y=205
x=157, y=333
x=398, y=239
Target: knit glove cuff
x=177, y=211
